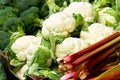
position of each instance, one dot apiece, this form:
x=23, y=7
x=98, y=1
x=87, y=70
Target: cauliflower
x=108, y=16
x=24, y=47
x=63, y=23
x=83, y=8
x=69, y=46
x=21, y=72
x=96, y=32
x=58, y=24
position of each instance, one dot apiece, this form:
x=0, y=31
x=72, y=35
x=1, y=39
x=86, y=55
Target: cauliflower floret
x=96, y=32
x=21, y=55
x=84, y=8
x=58, y=24
x=105, y=16
x=21, y=72
x=69, y=46
x=25, y=46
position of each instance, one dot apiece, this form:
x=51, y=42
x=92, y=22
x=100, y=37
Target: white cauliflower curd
x=96, y=32
x=58, y=24
x=84, y=8
x=24, y=47
x=107, y=17
x=69, y=46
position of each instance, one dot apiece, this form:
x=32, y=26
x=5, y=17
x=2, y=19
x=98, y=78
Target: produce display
x=60, y=39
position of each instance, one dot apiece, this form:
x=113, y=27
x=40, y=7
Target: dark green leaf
x=2, y=71
x=4, y=39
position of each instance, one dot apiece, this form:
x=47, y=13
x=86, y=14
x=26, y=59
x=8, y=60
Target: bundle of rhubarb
x=96, y=62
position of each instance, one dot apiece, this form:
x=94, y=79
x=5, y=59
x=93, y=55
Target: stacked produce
x=60, y=39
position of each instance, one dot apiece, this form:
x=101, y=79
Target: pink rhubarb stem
x=107, y=52
x=111, y=76
x=72, y=57
x=97, y=69
x=92, y=62
x=94, y=52
x=110, y=73
x=68, y=76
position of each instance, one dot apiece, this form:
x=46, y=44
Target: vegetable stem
x=91, y=63
x=72, y=57
x=109, y=74
x=94, y=52
x=67, y=76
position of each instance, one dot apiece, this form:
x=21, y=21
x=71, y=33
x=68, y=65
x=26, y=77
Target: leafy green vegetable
x=5, y=14
x=17, y=64
x=42, y=57
x=4, y=39
x=62, y=2
x=3, y=3
x=13, y=25
x=31, y=19
x=113, y=13
x=59, y=39
x=25, y=4
x=79, y=0
x=53, y=8
x=44, y=11
x=103, y=3
x=118, y=6
x=29, y=14
x=79, y=23
x=45, y=41
x=2, y=71
x=50, y=43
x=33, y=70
x=52, y=75
x=117, y=26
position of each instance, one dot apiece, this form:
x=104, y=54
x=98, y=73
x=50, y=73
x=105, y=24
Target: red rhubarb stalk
x=97, y=69
x=91, y=79
x=109, y=74
x=112, y=75
x=85, y=57
x=72, y=57
x=94, y=52
x=105, y=68
x=117, y=78
x=68, y=76
x=92, y=62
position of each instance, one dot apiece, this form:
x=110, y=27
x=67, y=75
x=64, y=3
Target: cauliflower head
x=70, y=46
x=84, y=8
x=108, y=16
x=58, y=24
x=96, y=32
x=25, y=46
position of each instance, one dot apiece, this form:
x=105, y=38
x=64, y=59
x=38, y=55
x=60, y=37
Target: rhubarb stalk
x=85, y=57
x=98, y=68
x=109, y=74
x=90, y=56
x=91, y=63
x=94, y=52
x=72, y=57
x=68, y=76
